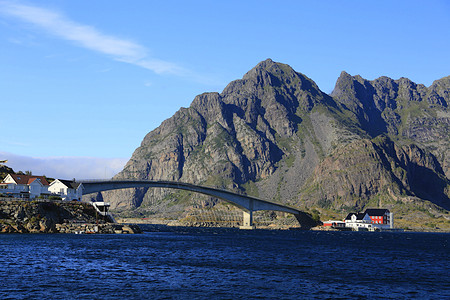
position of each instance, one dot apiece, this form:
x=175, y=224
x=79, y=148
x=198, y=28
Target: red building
x=334, y=224
x=379, y=215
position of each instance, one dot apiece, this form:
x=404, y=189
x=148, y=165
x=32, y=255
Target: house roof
x=359, y=216
x=70, y=184
x=31, y=180
x=376, y=211
x=28, y=179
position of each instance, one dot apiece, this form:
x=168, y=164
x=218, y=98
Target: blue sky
x=86, y=80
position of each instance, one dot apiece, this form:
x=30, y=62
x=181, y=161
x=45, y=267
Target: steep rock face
x=236, y=137
x=402, y=109
x=362, y=170
x=275, y=135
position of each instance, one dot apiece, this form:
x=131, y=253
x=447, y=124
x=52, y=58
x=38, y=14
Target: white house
x=24, y=186
x=66, y=189
x=358, y=221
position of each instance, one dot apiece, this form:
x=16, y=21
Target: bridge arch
x=246, y=203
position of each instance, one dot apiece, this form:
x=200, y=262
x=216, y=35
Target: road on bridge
x=246, y=203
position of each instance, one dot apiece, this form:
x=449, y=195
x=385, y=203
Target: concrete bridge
x=246, y=203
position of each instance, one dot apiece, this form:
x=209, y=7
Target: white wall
x=58, y=188
x=35, y=189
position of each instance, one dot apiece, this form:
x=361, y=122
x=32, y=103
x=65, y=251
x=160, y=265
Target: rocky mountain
x=402, y=109
x=275, y=135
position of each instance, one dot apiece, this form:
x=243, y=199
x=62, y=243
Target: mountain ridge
x=274, y=134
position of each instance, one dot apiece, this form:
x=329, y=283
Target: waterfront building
x=31, y=187
x=24, y=186
x=371, y=219
x=334, y=224
x=379, y=216
x=358, y=221
x=66, y=189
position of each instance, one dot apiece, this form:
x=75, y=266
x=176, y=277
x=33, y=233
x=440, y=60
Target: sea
x=219, y=263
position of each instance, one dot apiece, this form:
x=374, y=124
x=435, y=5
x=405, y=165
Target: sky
x=82, y=82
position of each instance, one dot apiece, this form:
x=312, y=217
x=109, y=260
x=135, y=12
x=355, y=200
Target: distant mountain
x=274, y=134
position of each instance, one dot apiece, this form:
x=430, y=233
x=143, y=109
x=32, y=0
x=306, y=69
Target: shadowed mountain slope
x=274, y=134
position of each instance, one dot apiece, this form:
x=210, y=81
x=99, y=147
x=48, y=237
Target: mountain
x=275, y=135
x=402, y=109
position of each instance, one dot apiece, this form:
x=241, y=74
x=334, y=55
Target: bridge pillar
x=247, y=220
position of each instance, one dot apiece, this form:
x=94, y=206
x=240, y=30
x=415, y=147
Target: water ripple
x=225, y=264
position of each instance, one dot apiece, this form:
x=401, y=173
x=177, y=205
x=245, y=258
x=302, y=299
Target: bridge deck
x=246, y=203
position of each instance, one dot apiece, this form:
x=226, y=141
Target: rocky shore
x=97, y=228
x=28, y=216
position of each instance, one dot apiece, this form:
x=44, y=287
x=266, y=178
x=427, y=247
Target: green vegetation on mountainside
x=273, y=134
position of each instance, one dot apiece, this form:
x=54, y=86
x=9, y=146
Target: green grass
x=250, y=188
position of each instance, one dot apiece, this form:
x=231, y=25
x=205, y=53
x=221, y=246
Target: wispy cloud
x=57, y=24
x=66, y=167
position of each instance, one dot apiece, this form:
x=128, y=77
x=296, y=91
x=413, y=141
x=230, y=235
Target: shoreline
x=81, y=217
x=175, y=223
x=21, y=216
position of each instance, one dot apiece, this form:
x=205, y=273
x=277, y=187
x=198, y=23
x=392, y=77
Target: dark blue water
x=185, y=263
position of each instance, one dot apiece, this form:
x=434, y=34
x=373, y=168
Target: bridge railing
x=247, y=203
x=239, y=192
x=183, y=185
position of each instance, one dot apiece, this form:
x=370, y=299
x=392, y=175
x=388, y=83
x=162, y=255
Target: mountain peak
x=274, y=134
x=344, y=82
x=265, y=64
x=344, y=74
x=269, y=66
